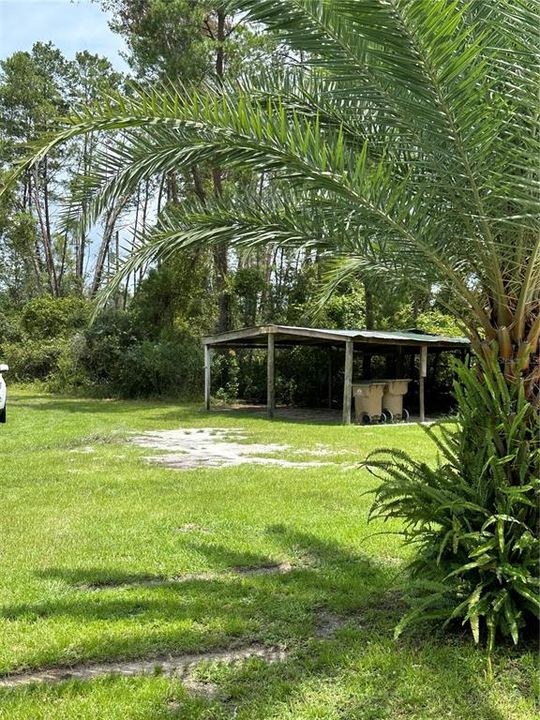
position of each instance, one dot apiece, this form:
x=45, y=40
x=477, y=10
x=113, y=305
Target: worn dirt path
x=182, y=666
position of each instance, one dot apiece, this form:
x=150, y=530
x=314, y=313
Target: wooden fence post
x=347, y=382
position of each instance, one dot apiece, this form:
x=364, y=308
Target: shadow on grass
x=172, y=409
x=373, y=676
x=326, y=576
x=103, y=578
x=101, y=406
x=293, y=415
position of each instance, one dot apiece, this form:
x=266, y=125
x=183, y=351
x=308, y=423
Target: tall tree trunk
x=108, y=231
x=266, y=295
x=198, y=184
x=160, y=193
x=81, y=241
x=221, y=263
x=143, y=220
x=35, y=251
x=62, y=262
x=221, y=251
x=172, y=188
x=44, y=226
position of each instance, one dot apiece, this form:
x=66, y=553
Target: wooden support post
x=347, y=382
x=207, y=376
x=270, y=378
x=422, y=374
x=330, y=379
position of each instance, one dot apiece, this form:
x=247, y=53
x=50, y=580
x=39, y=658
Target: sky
x=71, y=26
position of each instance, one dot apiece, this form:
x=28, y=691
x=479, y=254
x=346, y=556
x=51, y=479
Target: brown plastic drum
x=394, y=392
x=368, y=397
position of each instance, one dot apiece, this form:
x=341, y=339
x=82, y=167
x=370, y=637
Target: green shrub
x=30, y=359
x=474, y=516
x=226, y=370
x=252, y=375
x=167, y=367
x=35, y=342
x=10, y=330
x=118, y=359
x=301, y=376
x=47, y=317
x=69, y=373
x=438, y=323
x=106, y=342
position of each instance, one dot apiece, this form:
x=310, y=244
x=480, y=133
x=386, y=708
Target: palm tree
x=407, y=140
x=401, y=139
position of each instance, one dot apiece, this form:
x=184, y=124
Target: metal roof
x=286, y=335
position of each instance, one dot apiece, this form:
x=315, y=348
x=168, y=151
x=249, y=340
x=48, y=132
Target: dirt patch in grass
x=181, y=666
x=207, y=690
x=192, y=528
x=283, y=567
x=243, y=571
x=328, y=624
x=189, y=449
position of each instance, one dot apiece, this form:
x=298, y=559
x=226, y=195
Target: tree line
x=46, y=248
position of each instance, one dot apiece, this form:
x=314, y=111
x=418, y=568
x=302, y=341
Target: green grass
x=81, y=509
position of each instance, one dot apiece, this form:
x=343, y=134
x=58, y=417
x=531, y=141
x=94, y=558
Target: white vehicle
x=3, y=394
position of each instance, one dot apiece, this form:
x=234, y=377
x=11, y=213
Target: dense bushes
x=120, y=359
x=51, y=340
x=301, y=376
x=33, y=359
x=47, y=317
x=37, y=341
x=151, y=350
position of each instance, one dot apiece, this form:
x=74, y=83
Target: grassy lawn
x=86, y=522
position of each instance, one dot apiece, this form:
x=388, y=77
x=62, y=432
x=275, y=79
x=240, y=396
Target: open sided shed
x=270, y=337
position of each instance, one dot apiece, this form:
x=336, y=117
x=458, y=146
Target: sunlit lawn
x=82, y=512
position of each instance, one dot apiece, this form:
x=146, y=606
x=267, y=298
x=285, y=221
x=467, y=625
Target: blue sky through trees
x=71, y=26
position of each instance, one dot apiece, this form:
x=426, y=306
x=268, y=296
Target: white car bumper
x=3, y=399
